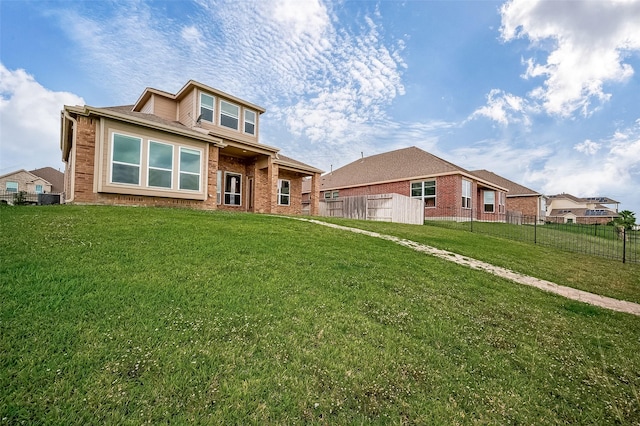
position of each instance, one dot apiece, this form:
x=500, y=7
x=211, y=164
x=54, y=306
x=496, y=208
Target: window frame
x=112, y=161
x=12, y=190
x=227, y=115
x=212, y=109
x=245, y=121
x=466, y=197
x=327, y=195
x=234, y=194
x=219, y=187
x=486, y=204
x=149, y=167
x=41, y=189
x=181, y=172
x=282, y=195
x=501, y=202
x=335, y=194
x=423, y=189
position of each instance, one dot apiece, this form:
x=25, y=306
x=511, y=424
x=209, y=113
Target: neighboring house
x=25, y=181
x=521, y=201
x=565, y=208
x=198, y=148
x=447, y=190
x=55, y=177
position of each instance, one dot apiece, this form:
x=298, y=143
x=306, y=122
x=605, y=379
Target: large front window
x=189, y=169
x=249, y=122
x=229, y=114
x=232, y=189
x=125, y=164
x=206, y=107
x=11, y=186
x=426, y=191
x=466, y=194
x=284, y=192
x=489, y=201
x=160, y=165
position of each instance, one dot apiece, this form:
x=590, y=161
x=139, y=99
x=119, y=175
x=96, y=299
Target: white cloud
x=30, y=121
x=587, y=147
x=504, y=108
x=193, y=37
x=588, y=43
x=614, y=172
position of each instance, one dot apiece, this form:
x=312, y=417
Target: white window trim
x=232, y=193
x=199, y=174
x=466, y=196
x=485, y=204
x=422, y=195
x=6, y=187
x=237, y=117
x=149, y=167
x=245, y=121
x=112, y=161
x=219, y=184
x=212, y=109
x=280, y=194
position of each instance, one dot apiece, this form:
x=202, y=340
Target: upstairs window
x=232, y=188
x=229, y=115
x=206, y=107
x=249, y=122
x=189, y=169
x=12, y=186
x=466, y=194
x=489, y=201
x=284, y=192
x=125, y=164
x=425, y=190
x=160, y=165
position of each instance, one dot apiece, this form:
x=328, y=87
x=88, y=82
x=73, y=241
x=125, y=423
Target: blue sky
x=545, y=93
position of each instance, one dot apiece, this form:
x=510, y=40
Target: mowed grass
x=606, y=277
x=112, y=315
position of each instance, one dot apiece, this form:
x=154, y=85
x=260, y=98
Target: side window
x=249, y=122
x=12, y=186
x=284, y=192
x=160, y=165
x=125, y=159
x=206, y=107
x=229, y=114
x=190, y=169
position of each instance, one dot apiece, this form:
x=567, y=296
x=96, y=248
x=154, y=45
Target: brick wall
x=84, y=161
x=527, y=206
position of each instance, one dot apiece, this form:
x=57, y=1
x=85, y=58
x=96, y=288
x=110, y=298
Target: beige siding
x=147, y=108
x=26, y=182
x=187, y=109
x=165, y=108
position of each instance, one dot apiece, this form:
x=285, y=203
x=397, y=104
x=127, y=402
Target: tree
x=626, y=219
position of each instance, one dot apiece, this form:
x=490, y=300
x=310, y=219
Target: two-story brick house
x=198, y=148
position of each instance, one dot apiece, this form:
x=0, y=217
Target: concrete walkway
x=568, y=292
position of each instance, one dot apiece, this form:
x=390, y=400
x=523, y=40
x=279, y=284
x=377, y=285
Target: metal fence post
x=624, y=245
x=535, y=231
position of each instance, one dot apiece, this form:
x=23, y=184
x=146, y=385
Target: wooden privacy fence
x=382, y=207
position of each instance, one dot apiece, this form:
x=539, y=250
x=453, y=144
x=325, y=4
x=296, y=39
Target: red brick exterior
x=81, y=174
x=525, y=205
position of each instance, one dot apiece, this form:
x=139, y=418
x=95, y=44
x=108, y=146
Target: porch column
x=314, y=196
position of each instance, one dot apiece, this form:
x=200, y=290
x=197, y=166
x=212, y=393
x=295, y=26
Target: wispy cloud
x=28, y=142
x=587, y=43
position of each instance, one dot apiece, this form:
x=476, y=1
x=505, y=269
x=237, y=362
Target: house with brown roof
x=53, y=176
x=522, y=202
x=447, y=190
x=566, y=208
x=197, y=148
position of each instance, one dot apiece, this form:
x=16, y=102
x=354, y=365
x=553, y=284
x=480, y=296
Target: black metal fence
x=33, y=198
x=597, y=239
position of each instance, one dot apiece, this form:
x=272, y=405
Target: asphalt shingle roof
x=406, y=163
x=515, y=189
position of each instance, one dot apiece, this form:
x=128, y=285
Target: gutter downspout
x=73, y=154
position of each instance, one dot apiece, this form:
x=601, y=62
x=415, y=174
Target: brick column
x=314, y=196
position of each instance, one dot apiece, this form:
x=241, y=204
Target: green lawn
x=113, y=315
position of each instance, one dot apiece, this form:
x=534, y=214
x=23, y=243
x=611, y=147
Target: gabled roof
x=600, y=200
x=402, y=164
x=515, y=189
x=187, y=88
x=294, y=165
x=51, y=175
x=33, y=176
